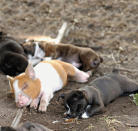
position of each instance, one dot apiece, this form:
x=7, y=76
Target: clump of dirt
x=113, y=25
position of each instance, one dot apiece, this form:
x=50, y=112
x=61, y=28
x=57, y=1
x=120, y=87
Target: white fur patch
x=38, y=51
x=50, y=82
x=77, y=65
x=16, y=90
x=47, y=58
x=68, y=112
x=84, y=115
x=38, y=55
x=49, y=77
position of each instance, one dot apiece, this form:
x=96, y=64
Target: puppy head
x=91, y=59
x=13, y=63
x=75, y=103
x=29, y=126
x=26, y=87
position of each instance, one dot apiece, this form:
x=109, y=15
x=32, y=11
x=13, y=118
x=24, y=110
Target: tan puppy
x=38, y=84
x=82, y=58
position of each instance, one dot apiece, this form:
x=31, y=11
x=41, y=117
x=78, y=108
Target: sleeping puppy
x=91, y=99
x=27, y=126
x=12, y=57
x=82, y=58
x=37, y=85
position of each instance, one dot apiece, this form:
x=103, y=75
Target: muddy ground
x=111, y=24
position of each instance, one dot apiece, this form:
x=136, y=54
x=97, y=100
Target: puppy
x=27, y=126
x=82, y=58
x=91, y=99
x=12, y=57
x=30, y=126
x=38, y=84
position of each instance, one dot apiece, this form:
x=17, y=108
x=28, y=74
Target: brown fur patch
x=32, y=87
x=67, y=51
x=68, y=67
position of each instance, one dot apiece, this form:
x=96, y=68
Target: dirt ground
x=111, y=24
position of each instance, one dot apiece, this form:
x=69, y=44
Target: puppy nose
x=19, y=104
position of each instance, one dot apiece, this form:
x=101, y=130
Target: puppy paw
x=34, y=104
x=90, y=73
x=42, y=106
x=84, y=115
x=82, y=77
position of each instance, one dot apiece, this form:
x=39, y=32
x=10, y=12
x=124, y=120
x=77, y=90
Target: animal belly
x=48, y=76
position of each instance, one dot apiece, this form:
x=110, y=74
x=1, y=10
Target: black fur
x=6, y=128
x=12, y=57
x=100, y=92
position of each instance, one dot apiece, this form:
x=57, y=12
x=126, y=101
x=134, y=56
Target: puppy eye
x=24, y=86
x=95, y=63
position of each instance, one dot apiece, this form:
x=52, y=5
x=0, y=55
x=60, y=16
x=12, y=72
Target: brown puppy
x=82, y=58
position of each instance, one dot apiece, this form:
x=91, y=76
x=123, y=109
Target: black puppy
x=91, y=99
x=12, y=57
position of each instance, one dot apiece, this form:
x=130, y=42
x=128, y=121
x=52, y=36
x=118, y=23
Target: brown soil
x=111, y=24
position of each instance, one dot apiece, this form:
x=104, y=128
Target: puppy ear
x=61, y=96
x=30, y=72
x=9, y=78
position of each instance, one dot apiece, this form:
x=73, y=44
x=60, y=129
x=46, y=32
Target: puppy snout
x=19, y=104
x=95, y=63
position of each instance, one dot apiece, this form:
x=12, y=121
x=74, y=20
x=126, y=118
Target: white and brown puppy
x=81, y=57
x=38, y=84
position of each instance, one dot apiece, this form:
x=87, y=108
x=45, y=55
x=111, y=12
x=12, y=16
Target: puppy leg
x=74, y=73
x=80, y=76
x=34, y=103
x=91, y=110
x=95, y=108
x=46, y=97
